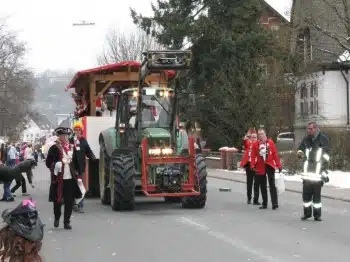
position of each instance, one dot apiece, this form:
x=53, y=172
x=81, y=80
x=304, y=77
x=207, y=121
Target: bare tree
x=16, y=92
x=327, y=22
x=126, y=46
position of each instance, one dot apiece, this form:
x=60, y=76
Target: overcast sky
x=54, y=43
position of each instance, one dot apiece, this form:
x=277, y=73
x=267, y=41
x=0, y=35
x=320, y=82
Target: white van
x=285, y=141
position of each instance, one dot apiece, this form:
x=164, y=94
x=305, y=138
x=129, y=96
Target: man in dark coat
x=81, y=150
x=64, y=178
x=22, y=182
x=7, y=175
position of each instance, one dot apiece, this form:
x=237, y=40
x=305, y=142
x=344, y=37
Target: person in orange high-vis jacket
x=264, y=160
x=249, y=139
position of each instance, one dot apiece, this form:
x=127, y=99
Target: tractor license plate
x=159, y=170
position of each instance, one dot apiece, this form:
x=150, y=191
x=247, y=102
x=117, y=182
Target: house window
x=306, y=108
x=303, y=91
x=303, y=45
x=274, y=27
x=302, y=108
x=316, y=107
x=314, y=89
x=263, y=71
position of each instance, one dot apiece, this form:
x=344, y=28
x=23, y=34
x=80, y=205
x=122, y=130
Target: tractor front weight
x=188, y=184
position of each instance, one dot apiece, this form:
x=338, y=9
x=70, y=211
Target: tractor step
x=181, y=194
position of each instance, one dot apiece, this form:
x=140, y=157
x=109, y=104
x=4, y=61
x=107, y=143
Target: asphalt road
x=226, y=230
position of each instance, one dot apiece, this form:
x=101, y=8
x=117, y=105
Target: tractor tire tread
x=198, y=202
x=123, y=168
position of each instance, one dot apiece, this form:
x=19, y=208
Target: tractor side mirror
x=110, y=102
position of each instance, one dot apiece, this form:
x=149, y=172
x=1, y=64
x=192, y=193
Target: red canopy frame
x=96, y=81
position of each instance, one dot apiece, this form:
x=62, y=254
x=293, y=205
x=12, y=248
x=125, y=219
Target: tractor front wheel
x=122, y=183
x=200, y=184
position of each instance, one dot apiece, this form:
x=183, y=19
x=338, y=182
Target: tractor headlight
x=160, y=151
x=154, y=151
x=167, y=151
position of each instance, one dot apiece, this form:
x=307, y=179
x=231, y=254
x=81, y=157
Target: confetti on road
x=223, y=189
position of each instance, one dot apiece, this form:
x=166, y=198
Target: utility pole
x=84, y=23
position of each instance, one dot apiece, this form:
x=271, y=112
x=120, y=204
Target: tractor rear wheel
x=104, y=170
x=200, y=184
x=122, y=183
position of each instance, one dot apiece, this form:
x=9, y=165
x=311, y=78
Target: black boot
x=256, y=203
x=263, y=207
x=319, y=219
x=249, y=201
x=303, y=218
x=75, y=208
x=56, y=224
x=274, y=207
x=67, y=226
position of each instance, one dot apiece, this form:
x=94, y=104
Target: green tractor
x=144, y=153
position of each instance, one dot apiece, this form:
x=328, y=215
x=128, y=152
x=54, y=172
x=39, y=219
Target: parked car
x=285, y=141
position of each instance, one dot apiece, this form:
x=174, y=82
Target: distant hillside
x=50, y=97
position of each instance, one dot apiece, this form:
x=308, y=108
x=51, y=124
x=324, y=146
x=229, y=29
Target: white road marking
x=226, y=239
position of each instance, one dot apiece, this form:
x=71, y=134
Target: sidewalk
x=330, y=192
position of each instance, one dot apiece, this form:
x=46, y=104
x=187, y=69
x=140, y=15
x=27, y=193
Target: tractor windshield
x=156, y=111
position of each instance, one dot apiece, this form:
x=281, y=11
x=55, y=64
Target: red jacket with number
x=264, y=149
x=247, y=152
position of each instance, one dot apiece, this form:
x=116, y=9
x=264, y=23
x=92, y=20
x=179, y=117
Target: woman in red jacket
x=249, y=140
x=265, y=160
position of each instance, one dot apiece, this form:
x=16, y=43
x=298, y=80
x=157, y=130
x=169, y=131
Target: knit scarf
x=65, y=148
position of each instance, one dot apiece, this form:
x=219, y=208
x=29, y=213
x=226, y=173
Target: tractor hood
x=156, y=133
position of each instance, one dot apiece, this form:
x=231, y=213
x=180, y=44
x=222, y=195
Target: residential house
x=324, y=90
x=273, y=71
x=271, y=18
x=61, y=118
x=38, y=126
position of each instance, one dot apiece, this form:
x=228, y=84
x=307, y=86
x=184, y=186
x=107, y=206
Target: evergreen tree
x=228, y=45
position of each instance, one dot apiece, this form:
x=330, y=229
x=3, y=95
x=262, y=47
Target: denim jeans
x=7, y=192
x=81, y=204
x=11, y=162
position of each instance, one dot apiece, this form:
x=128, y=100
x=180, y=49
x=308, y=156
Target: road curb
x=289, y=190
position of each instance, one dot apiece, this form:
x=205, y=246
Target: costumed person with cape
x=81, y=150
x=64, y=178
x=20, y=238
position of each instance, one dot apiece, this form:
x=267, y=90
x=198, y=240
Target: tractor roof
x=124, y=66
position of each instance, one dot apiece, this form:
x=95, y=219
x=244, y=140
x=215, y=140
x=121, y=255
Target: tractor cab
x=157, y=114
x=156, y=108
